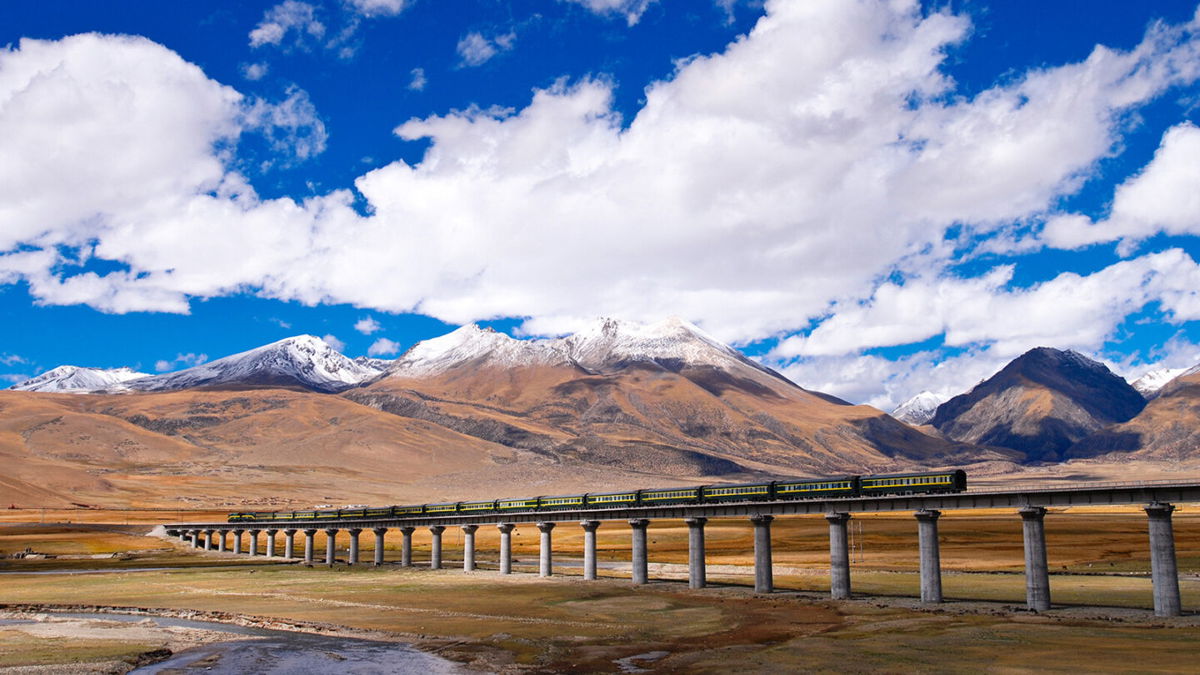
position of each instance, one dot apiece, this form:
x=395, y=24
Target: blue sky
x=874, y=197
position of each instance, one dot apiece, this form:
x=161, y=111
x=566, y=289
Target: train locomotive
x=771, y=491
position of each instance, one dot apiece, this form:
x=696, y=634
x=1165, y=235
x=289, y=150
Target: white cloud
x=180, y=361
x=631, y=10
x=255, y=71
x=288, y=18
x=1164, y=197
x=334, y=342
x=13, y=378
x=292, y=125
x=475, y=50
x=418, y=81
x=10, y=359
x=383, y=347
x=378, y=7
x=367, y=325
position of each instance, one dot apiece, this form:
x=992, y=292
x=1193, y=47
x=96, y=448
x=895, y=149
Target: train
x=776, y=490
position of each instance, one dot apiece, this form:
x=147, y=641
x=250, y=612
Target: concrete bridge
x=1030, y=505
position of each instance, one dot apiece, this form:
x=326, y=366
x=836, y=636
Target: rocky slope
x=76, y=379
x=1040, y=404
x=1167, y=430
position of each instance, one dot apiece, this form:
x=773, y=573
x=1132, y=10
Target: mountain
x=665, y=398
x=303, y=361
x=78, y=379
x=1154, y=380
x=919, y=409
x=1166, y=431
x=1040, y=404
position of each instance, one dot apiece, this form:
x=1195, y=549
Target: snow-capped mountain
x=303, y=360
x=919, y=409
x=605, y=345
x=477, y=347
x=374, y=363
x=78, y=380
x=1149, y=384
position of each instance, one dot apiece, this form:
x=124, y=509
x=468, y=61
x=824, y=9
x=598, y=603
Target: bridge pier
x=406, y=546
x=697, y=577
x=931, y=558
x=641, y=573
x=289, y=544
x=379, y=533
x=308, y=546
x=435, y=548
x=195, y=538
x=221, y=541
x=469, y=547
x=1163, y=571
x=253, y=542
x=271, y=542
x=839, y=556
x=237, y=541
x=589, y=548
x=208, y=540
x=764, y=581
x=354, y=545
x=330, y=545
x=1037, y=574
x=505, y=547
x=545, y=558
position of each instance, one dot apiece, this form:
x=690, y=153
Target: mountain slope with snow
x=473, y=346
x=77, y=379
x=919, y=409
x=304, y=360
x=1149, y=384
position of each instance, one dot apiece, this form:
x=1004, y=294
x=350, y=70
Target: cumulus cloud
x=255, y=71
x=378, y=7
x=475, y=50
x=418, y=81
x=1163, y=197
x=383, y=347
x=630, y=10
x=334, y=342
x=758, y=191
x=291, y=23
x=367, y=325
x=292, y=125
x=180, y=361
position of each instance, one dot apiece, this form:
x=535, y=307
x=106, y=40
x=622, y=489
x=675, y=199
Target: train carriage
x=611, y=499
x=669, y=496
x=845, y=486
x=410, y=510
x=442, y=508
x=477, y=507
x=743, y=492
x=560, y=502
x=521, y=504
x=914, y=483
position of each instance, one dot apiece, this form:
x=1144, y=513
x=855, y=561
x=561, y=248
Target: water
x=273, y=652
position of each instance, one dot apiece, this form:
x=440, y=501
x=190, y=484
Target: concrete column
x=1037, y=575
x=697, y=577
x=271, y=543
x=195, y=538
x=435, y=548
x=1163, y=570
x=545, y=562
x=308, y=546
x=469, y=547
x=406, y=546
x=931, y=557
x=641, y=574
x=354, y=545
x=764, y=580
x=208, y=540
x=289, y=544
x=253, y=542
x=330, y=545
x=221, y=540
x=505, y=547
x=237, y=541
x=839, y=556
x=589, y=548
x=379, y=532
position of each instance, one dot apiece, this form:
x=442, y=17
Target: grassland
x=1100, y=585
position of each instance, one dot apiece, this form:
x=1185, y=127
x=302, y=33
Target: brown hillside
x=1166, y=431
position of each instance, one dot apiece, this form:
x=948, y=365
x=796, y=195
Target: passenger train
x=777, y=490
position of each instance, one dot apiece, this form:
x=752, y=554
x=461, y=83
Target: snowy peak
x=609, y=342
x=1149, y=384
x=919, y=409
x=78, y=380
x=475, y=346
x=303, y=360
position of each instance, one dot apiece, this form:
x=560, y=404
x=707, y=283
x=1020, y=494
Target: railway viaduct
x=1031, y=505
